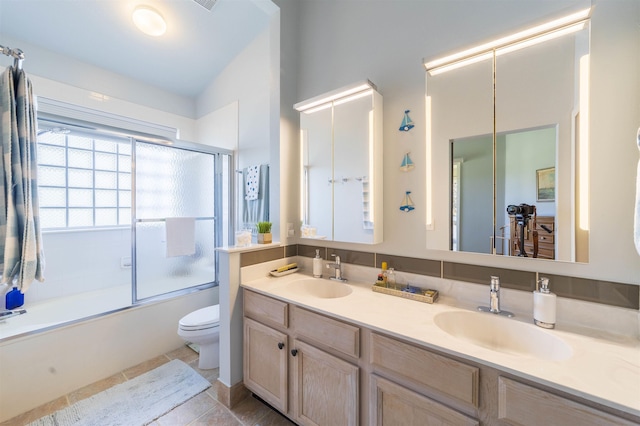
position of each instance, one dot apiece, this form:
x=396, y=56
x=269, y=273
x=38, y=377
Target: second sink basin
x=316, y=287
x=503, y=335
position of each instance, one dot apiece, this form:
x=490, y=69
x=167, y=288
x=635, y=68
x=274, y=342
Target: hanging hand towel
x=253, y=183
x=181, y=236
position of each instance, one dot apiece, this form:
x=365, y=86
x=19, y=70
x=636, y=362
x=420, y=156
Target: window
x=84, y=180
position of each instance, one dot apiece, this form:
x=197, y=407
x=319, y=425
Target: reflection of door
x=455, y=203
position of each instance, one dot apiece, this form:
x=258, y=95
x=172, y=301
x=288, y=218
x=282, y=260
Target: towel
x=252, y=183
x=254, y=211
x=636, y=225
x=181, y=236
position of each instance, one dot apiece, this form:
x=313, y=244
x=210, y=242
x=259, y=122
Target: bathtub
x=48, y=313
x=40, y=366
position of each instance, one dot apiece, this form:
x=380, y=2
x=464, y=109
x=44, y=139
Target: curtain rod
x=17, y=54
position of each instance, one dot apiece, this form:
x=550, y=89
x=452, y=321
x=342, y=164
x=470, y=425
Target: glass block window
x=83, y=181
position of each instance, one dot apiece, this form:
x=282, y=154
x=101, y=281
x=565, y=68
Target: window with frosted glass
x=83, y=181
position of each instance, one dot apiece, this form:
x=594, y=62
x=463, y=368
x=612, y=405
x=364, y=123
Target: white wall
x=386, y=42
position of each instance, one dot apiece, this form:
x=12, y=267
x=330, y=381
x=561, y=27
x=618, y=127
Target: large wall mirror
x=340, y=165
x=506, y=132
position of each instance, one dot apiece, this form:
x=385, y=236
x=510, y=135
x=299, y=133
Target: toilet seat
x=201, y=319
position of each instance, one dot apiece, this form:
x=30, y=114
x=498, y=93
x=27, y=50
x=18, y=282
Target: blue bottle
x=14, y=299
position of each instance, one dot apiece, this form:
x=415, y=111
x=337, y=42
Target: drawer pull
x=294, y=352
x=280, y=345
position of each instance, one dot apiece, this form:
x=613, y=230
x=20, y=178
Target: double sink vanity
x=325, y=353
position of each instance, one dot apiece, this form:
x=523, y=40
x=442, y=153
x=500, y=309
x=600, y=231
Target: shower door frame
x=218, y=154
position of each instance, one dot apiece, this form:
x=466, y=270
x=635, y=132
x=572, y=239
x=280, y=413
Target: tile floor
x=202, y=409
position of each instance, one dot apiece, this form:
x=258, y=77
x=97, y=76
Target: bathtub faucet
x=14, y=313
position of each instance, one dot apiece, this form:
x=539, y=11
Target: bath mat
x=138, y=401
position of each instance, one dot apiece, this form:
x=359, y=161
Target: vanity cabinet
x=288, y=362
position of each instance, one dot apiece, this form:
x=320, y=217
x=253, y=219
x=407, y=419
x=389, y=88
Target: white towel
x=181, y=236
x=253, y=183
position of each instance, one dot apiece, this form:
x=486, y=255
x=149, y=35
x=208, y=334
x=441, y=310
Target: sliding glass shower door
x=174, y=219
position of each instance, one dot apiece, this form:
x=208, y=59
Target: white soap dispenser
x=317, y=265
x=544, y=305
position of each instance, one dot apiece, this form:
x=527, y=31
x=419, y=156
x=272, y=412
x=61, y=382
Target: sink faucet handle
x=337, y=258
x=495, y=283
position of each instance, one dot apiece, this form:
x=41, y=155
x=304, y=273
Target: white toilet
x=202, y=327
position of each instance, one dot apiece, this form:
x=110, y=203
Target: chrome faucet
x=494, y=299
x=338, y=269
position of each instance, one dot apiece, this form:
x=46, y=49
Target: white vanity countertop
x=602, y=371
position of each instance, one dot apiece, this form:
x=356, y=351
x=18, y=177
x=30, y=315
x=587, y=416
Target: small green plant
x=263, y=227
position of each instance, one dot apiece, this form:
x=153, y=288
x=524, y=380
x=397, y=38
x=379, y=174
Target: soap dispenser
x=317, y=265
x=544, y=305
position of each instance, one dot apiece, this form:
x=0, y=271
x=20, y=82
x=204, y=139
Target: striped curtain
x=22, y=258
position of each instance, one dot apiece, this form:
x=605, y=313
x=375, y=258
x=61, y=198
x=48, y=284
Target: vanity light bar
x=324, y=101
x=538, y=34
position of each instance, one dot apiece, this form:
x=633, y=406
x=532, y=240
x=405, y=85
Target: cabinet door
x=394, y=405
x=325, y=388
x=265, y=363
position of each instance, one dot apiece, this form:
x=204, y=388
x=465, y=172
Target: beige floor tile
x=211, y=374
x=273, y=418
x=250, y=411
x=188, y=411
x=143, y=367
x=36, y=413
x=218, y=416
x=96, y=387
x=184, y=353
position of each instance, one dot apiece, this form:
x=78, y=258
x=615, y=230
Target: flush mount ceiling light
x=149, y=21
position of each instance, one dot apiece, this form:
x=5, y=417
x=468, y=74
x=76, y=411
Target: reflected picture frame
x=546, y=184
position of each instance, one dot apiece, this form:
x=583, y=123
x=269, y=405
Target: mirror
x=507, y=125
x=340, y=165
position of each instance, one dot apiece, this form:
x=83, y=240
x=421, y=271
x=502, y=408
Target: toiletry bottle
x=317, y=265
x=383, y=266
x=14, y=299
x=544, y=305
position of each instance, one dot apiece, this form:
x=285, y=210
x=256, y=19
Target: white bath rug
x=138, y=401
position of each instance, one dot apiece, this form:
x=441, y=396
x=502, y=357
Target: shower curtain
x=22, y=258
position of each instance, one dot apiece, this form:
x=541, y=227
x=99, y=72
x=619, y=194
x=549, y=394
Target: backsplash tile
x=509, y=278
x=410, y=264
x=598, y=291
x=610, y=293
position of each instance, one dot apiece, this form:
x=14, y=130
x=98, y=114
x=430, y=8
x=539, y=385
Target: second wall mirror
x=341, y=165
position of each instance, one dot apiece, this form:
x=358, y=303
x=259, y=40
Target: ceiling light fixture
x=149, y=21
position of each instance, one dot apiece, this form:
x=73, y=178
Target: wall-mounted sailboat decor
x=407, y=123
x=407, y=163
x=407, y=203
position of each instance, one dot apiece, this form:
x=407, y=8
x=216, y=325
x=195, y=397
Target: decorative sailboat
x=407, y=163
x=407, y=123
x=407, y=203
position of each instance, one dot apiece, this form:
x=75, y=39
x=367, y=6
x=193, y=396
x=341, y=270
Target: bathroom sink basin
x=323, y=289
x=503, y=335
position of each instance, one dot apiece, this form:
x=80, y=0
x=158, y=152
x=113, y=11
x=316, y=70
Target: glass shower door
x=174, y=219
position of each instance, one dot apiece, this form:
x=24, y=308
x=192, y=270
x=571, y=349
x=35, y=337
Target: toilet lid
x=202, y=318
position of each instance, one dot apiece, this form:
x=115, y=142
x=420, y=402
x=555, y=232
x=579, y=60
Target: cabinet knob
x=294, y=352
x=280, y=345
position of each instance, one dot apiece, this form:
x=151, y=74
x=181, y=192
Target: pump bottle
x=317, y=265
x=544, y=305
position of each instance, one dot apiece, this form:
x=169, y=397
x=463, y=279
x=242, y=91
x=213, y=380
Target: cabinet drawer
x=266, y=309
x=416, y=365
x=520, y=404
x=344, y=338
x=392, y=404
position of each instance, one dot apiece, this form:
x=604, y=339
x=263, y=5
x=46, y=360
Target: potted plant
x=264, y=232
